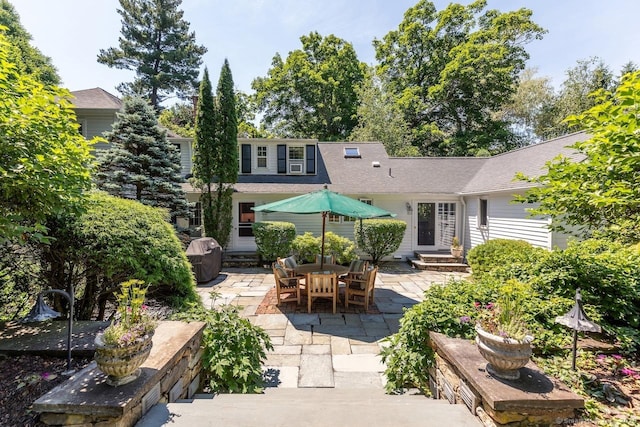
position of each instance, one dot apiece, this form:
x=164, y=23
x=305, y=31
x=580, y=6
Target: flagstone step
x=439, y=266
x=310, y=407
x=232, y=259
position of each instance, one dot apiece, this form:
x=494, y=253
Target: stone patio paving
x=324, y=349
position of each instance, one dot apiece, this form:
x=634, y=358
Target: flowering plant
x=504, y=317
x=133, y=323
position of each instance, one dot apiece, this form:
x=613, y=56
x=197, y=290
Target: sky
x=250, y=32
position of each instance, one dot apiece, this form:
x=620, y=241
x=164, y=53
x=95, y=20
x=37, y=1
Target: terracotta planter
x=505, y=355
x=121, y=364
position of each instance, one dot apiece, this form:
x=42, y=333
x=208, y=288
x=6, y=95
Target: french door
x=436, y=224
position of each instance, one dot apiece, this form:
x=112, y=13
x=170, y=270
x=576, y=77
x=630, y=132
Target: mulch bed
x=289, y=305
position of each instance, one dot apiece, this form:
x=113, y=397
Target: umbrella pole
x=324, y=216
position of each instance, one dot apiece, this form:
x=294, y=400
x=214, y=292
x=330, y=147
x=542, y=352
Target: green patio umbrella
x=325, y=202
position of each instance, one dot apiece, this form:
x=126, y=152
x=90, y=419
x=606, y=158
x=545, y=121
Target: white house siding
x=313, y=222
x=185, y=155
x=506, y=220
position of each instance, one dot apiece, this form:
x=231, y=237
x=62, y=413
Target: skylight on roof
x=351, y=153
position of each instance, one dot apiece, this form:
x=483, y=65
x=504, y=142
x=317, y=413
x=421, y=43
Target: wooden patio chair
x=360, y=291
x=286, y=284
x=322, y=285
x=356, y=269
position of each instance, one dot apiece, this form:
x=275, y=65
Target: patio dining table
x=304, y=269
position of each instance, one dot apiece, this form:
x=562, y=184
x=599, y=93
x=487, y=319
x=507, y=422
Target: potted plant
x=125, y=344
x=456, y=247
x=502, y=336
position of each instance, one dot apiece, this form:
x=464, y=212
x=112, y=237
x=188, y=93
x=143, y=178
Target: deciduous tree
x=141, y=163
x=380, y=119
x=27, y=58
x=312, y=94
x=601, y=191
x=44, y=161
x=451, y=70
x=156, y=43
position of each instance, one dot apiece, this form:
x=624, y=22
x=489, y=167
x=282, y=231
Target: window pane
x=296, y=153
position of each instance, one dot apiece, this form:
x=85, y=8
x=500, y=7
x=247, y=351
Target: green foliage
x=179, y=118
x=504, y=258
x=234, y=350
x=451, y=309
x=141, y=163
x=379, y=237
x=44, y=162
x=599, y=190
x=216, y=155
x=305, y=247
x=273, y=238
x=155, y=42
x=116, y=240
x=18, y=281
x=28, y=59
x=380, y=119
x=133, y=323
x=607, y=273
x=585, y=78
x=312, y=94
x=343, y=249
x=450, y=71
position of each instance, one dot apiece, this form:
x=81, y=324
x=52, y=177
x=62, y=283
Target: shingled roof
x=95, y=99
x=374, y=172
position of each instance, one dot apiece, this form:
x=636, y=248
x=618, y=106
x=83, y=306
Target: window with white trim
x=483, y=213
x=261, y=156
x=196, y=215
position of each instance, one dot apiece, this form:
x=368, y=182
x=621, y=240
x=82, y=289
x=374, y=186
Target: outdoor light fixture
x=409, y=207
x=41, y=312
x=577, y=320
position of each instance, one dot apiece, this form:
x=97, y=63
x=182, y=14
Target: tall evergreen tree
x=27, y=58
x=204, y=150
x=142, y=164
x=157, y=44
x=225, y=154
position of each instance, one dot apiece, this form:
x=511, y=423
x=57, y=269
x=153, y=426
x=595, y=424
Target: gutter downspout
x=464, y=221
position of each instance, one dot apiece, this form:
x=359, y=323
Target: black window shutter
x=311, y=159
x=282, y=158
x=246, y=158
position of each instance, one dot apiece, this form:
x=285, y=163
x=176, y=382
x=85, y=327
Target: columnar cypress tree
x=142, y=164
x=203, y=151
x=225, y=154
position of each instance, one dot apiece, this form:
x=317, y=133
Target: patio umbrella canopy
x=324, y=202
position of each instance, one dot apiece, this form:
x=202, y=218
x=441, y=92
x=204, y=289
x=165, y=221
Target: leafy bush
x=306, y=247
x=234, y=349
x=379, y=237
x=607, y=273
x=273, y=238
x=113, y=241
x=504, y=258
x=450, y=309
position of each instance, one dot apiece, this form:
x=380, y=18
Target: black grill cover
x=205, y=255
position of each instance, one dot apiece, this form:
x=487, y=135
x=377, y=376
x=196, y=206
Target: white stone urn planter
x=122, y=364
x=505, y=355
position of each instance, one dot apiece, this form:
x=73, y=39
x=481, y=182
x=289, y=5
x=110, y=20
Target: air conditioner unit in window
x=295, y=168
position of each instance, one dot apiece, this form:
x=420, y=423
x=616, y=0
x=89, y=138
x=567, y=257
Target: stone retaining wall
x=460, y=376
x=171, y=372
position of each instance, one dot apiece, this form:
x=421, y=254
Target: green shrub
x=607, y=273
x=234, y=350
x=273, y=239
x=306, y=247
x=113, y=241
x=450, y=309
x=379, y=237
x=504, y=258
